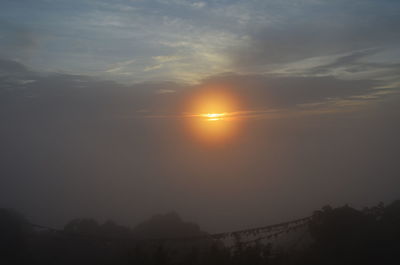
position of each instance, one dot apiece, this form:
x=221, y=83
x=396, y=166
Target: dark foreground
x=336, y=236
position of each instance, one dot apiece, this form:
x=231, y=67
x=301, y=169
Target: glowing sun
x=211, y=118
x=214, y=116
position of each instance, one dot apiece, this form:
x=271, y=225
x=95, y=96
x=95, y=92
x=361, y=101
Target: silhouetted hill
x=340, y=236
x=168, y=225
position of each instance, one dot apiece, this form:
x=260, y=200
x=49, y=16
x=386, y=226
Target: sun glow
x=214, y=116
x=210, y=119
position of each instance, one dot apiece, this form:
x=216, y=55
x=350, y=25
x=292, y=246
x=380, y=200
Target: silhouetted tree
x=348, y=236
x=161, y=256
x=14, y=230
x=341, y=235
x=82, y=226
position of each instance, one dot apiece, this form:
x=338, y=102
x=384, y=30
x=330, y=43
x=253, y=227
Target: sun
x=214, y=116
x=211, y=115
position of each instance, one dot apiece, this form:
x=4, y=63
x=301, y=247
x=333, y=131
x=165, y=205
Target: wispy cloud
x=188, y=41
x=119, y=67
x=260, y=96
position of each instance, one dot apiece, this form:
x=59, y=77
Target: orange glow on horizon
x=211, y=119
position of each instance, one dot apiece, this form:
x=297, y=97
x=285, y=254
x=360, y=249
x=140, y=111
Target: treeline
x=342, y=235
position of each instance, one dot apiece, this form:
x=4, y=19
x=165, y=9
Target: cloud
x=313, y=30
x=16, y=41
x=281, y=92
x=370, y=64
x=199, y=4
x=209, y=38
x=120, y=66
x=8, y=67
x=258, y=94
x=344, y=61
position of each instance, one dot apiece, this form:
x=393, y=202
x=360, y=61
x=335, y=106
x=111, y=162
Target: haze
x=97, y=103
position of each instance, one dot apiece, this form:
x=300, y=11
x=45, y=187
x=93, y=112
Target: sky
x=98, y=108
